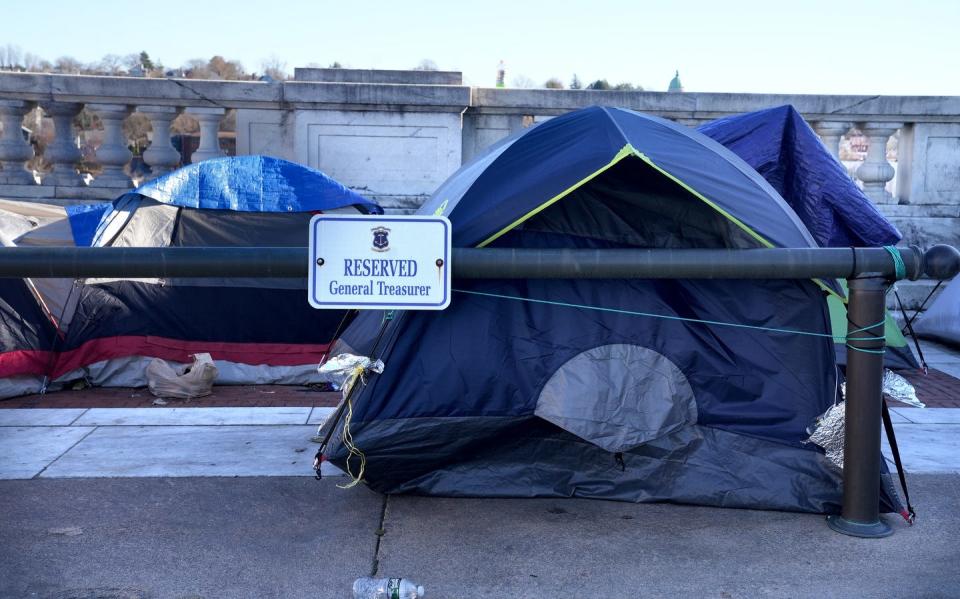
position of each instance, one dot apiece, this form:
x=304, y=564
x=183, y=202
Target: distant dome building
x=675, y=85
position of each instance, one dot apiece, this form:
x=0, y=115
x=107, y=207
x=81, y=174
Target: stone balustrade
x=395, y=136
x=14, y=149
x=112, y=100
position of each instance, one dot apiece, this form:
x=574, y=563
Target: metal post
x=861, y=450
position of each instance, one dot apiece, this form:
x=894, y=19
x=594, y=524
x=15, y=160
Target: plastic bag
x=343, y=370
x=184, y=382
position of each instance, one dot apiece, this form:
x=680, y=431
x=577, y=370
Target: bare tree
x=32, y=62
x=426, y=65
x=111, y=64
x=229, y=121
x=274, y=68
x=131, y=62
x=185, y=124
x=575, y=83
x=135, y=129
x=11, y=57
x=523, y=82
x=196, y=68
x=226, y=69
x=68, y=65
x=553, y=83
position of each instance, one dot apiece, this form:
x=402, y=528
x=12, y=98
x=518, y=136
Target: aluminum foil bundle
x=896, y=387
x=827, y=432
x=900, y=389
x=342, y=371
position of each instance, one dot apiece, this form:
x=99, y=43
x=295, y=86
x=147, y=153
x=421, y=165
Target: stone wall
x=396, y=135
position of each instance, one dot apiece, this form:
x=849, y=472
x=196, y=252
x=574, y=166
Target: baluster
x=161, y=156
x=14, y=150
x=875, y=171
x=831, y=132
x=63, y=154
x=209, y=119
x=113, y=153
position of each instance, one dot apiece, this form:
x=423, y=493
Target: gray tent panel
x=942, y=320
x=618, y=397
x=695, y=464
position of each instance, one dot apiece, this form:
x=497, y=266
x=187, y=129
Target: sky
x=805, y=47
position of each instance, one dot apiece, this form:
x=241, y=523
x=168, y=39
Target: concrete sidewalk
x=277, y=537
x=942, y=357
x=181, y=503
x=125, y=442
x=175, y=442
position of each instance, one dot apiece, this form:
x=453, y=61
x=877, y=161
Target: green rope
x=899, y=268
x=867, y=351
x=836, y=338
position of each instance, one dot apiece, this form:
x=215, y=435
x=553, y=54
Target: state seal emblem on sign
x=380, y=241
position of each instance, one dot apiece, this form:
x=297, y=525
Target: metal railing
x=869, y=271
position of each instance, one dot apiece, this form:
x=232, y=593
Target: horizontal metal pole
x=136, y=262
x=490, y=263
x=779, y=263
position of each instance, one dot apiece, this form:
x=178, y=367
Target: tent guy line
x=846, y=337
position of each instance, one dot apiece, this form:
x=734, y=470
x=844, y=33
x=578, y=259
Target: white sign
x=379, y=262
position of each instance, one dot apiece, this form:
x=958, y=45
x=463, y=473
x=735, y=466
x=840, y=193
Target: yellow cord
x=346, y=436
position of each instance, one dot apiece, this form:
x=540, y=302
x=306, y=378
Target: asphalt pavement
x=211, y=537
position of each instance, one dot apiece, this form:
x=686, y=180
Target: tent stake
x=861, y=449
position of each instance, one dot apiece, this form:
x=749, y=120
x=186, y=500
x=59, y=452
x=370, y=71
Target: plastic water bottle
x=386, y=588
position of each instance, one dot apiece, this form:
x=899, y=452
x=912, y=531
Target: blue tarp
x=782, y=147
x=83, y=219
x=253, y=184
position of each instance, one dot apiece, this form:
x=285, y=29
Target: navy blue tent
x=558, y=388
x=257, y=330
x=782, y=148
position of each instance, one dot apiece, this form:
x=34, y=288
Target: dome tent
x=28, y=336
x=941, y=322
x=258, y=330
x=558, y=388
x=26, y=340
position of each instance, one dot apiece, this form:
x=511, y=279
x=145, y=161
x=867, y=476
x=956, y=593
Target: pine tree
x=145, y=61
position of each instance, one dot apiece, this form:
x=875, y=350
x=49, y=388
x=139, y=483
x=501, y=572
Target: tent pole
x=861, y=449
